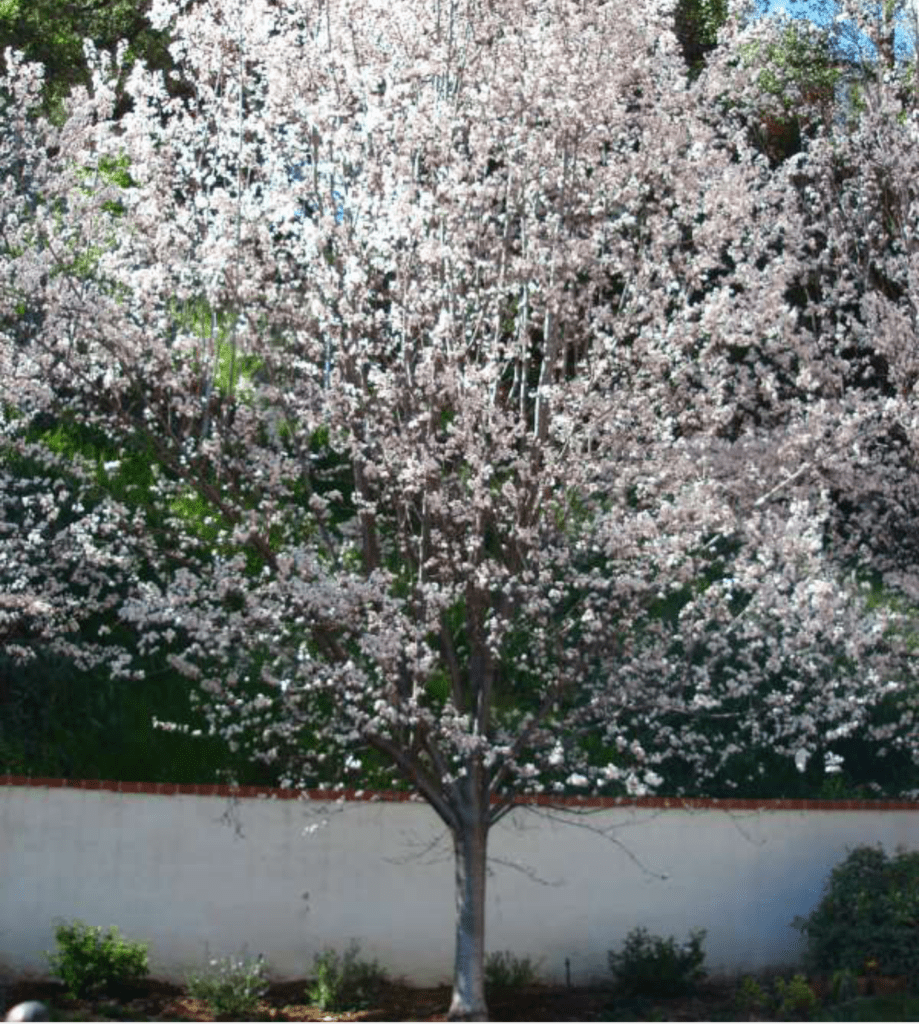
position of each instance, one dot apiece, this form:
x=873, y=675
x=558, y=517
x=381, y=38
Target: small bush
x=90, y=965
x=232, y=988
x=795, y=997
x=344, y=984
x=790, y=1000
x=751, y=998
x=504, y=971
x=843, y=987
x=867, y=918
x=650, y=966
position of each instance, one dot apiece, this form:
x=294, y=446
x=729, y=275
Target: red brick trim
x=394, y=796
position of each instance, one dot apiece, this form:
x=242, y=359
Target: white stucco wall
x=167, y=870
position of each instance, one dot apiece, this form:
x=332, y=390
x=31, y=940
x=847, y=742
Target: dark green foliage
x=892, y=1007
x=696, y=24
x=62, y=722
x=59, y=722
x=758, y=772
x=52, y=32
x=651, y=966
x=868, y=918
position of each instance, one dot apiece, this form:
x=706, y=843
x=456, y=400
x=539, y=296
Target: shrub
x=843, y=987
x=795, y=997
x=232, y=988
x=751, y=998
x=791, y=998
x=505, y=971
x=867, y=918
x=346, y=983
x=91, y=965
x=652, y=966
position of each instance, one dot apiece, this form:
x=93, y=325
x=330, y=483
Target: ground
x=156, y=1000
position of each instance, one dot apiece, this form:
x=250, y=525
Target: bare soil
x=152, y=1000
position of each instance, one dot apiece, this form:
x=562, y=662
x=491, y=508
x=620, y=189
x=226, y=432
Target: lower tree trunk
x=468, y=1001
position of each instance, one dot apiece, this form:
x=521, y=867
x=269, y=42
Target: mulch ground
x=161, y=1001
x=153, y=1000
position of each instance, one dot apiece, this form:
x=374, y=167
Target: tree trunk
x=470, y=842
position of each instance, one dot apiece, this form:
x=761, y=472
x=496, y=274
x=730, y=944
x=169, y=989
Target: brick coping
x=395, y=796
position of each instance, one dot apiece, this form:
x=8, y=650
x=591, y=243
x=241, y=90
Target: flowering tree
x=517, y=472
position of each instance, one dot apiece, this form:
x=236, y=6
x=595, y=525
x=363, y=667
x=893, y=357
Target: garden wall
x=198, y=871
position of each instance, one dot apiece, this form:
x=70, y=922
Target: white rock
x=31, y=1010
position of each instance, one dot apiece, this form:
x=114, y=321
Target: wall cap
x=395, y=796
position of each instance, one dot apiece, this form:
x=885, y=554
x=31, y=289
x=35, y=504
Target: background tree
x=866, y=37
x=696, y=24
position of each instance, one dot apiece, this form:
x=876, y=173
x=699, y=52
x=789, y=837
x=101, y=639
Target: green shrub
x=890, y=1007
x=232, y=988
x=504, y=971
x=791, y=999
x=650, y=966
x=843, y=987
x=869, y=912
x=90, y=965
x=795, y=997
x=344, y=984
x=751, y=998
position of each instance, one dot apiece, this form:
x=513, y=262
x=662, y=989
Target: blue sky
x=822, y=11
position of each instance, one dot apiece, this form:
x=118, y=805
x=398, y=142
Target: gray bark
x=470, y=844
